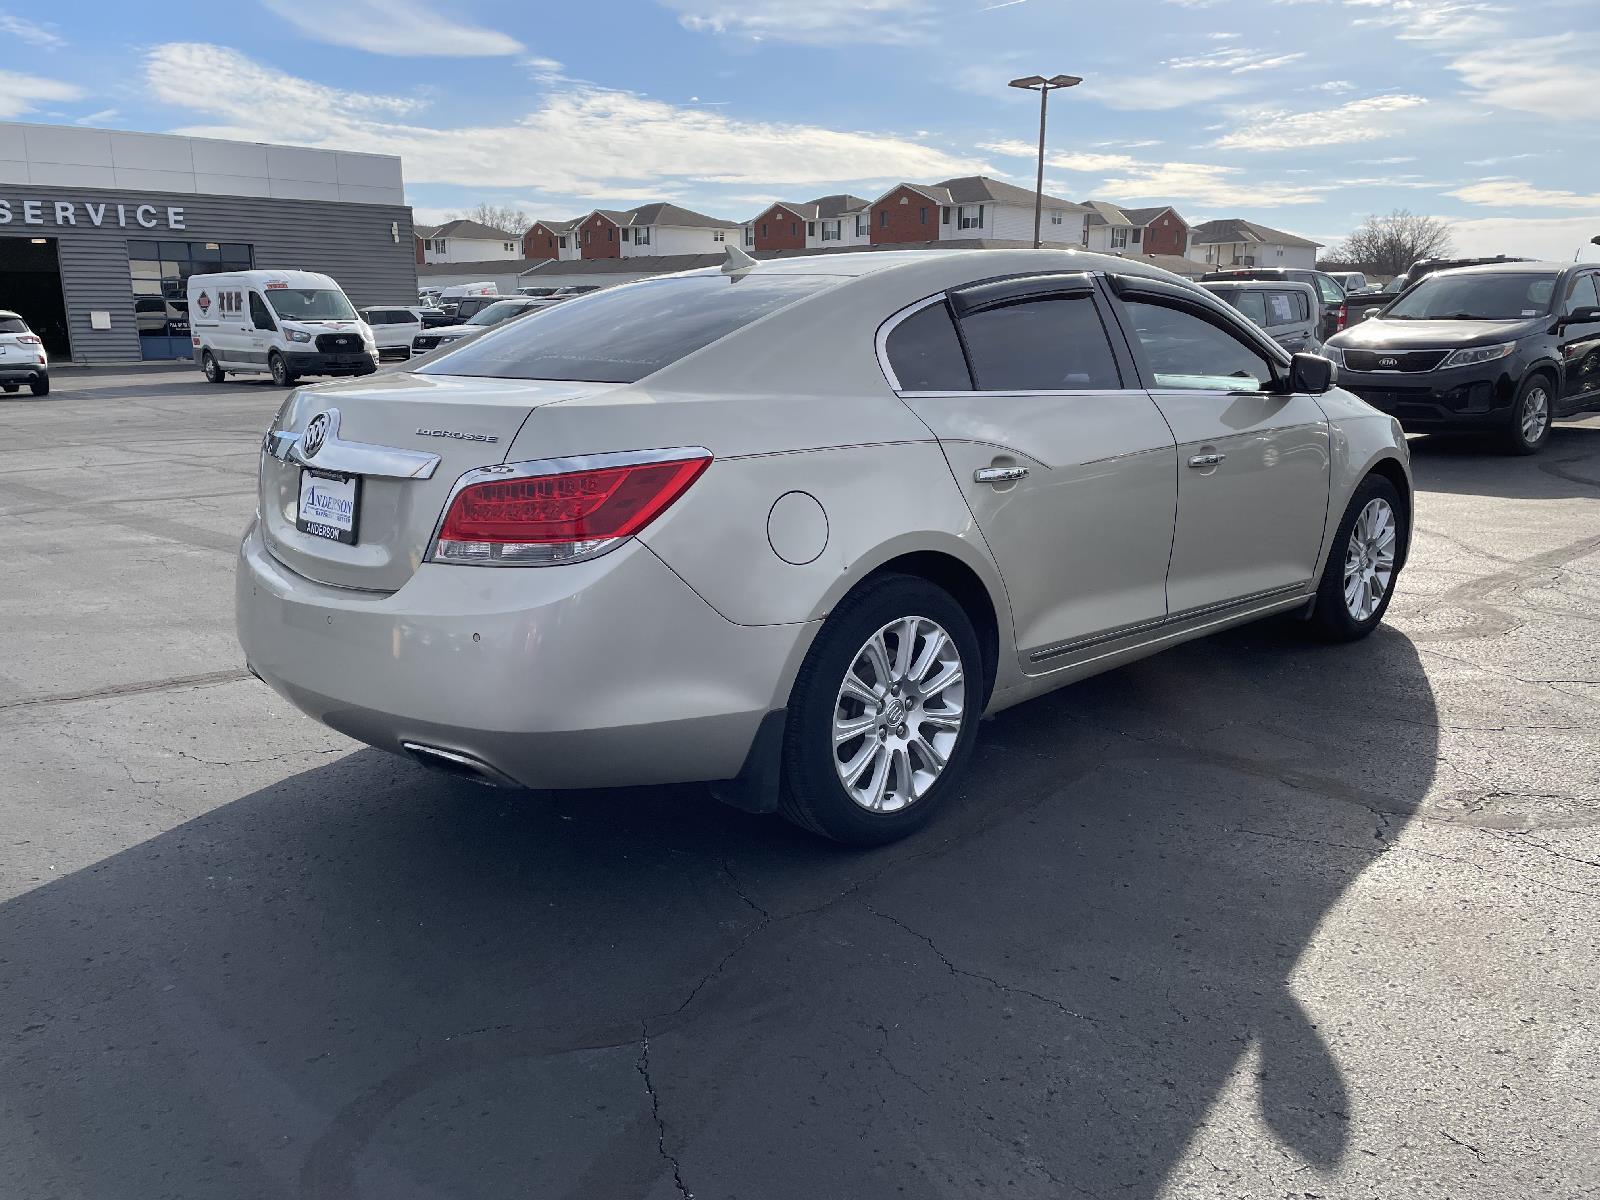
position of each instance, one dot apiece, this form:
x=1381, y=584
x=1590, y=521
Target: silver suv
x=22, y=356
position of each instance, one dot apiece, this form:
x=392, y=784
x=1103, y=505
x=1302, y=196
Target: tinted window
x=259, y=316
x=1492, y=296
x=925, y=353
x=1050, y=344
x=13, y=325
x=622, y=334
x=1252, y=305
x=1582, y=294
x=1184, y=351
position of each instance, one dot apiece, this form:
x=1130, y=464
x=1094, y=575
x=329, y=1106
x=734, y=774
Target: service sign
x=90, y=214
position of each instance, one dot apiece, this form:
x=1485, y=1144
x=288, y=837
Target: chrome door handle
x=1205, y=460
x=999, y=474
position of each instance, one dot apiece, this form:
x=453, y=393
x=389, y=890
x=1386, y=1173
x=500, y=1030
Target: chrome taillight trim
x=568, y=465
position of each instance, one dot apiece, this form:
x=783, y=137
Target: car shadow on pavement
x=1567, y=466
x=368, y=981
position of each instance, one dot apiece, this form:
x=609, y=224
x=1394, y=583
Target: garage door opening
x=30, y=285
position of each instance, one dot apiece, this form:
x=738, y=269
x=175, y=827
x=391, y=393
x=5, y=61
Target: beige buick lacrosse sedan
x=793, y=527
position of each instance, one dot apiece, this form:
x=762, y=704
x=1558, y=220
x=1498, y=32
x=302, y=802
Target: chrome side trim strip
x=1188, y=614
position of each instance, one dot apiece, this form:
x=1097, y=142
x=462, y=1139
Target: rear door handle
x=1205, y=460
x=999, y=474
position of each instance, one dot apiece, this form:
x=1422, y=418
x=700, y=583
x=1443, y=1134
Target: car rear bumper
x=23, y=372
x=1462, y=398
x=605, y=673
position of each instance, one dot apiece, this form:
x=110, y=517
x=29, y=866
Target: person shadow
x=368, y=981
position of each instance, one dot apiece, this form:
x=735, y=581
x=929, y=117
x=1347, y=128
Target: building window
x=922, y=215
x=510, y=246
x=641, y=235
x=861, y=224
x=944, y=215
x=718, y=235
x=794, y=228
x=763, y=230
x=624, y=235
x=1055, y=216
x=883, y=218
x=970, y=216
x=586, y=236
x=1211, y=253
x=562, y=242
x=749, y=235
x=1119, y=237
x=611, y=234
x=811, y=229
x=1280, y=251
x=1136, y=234
x=830, y=231
x=437, y=245
x=161, y=273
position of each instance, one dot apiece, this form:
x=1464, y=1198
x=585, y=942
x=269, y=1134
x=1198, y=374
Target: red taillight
x=31, y=339
x=560, y=516
x=1344, y=315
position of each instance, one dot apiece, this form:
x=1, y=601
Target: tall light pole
x=1038, y=83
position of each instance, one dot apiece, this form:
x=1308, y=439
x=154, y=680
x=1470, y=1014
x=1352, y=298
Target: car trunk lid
x=404, y=439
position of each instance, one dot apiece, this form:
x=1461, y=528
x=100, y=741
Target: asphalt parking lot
x=1254, y=918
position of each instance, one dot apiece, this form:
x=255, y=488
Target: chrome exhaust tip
x=462, y=766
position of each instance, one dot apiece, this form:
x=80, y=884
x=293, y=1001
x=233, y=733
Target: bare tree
x=1389, y=245
x=512, y=220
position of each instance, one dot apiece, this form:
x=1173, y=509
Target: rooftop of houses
x=463, y=228
x=1233, y=229
x=1103, y=213
x=823, y=208
x=662, y=213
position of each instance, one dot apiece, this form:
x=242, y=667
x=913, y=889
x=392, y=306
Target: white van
x=286, y=323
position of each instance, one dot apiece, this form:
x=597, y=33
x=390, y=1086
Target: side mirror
x=1369, y=313
x=1582, y=316
x=1311, y=374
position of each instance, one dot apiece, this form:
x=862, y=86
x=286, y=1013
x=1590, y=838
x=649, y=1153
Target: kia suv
x=1503, y=349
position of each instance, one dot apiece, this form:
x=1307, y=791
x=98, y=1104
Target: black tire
x=1536, y=393
x=281, y=375
x=213, y=372
x=1331, y=617
x=40, y=387
x=813, y=795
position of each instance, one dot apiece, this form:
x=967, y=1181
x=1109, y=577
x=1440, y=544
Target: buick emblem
x=316, y=433
x=1388, y=362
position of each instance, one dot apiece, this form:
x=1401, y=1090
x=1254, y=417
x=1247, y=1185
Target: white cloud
x=1067, y=162
x=30, y=32
x=1447, y=21
x=1357, y=121
x=402, y=28
x=1517, y=193
x=1530, y=237
x=1385, y=162
x=1234, y=59
x=817, y=23
x=1551, y=76
x=1333, y=86
x=98, y=118
x=1206, y=184
x=583, y=141
x=1151, y=92
x=21, y=94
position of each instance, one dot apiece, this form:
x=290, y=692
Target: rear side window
x=1048, y=344
x=925, y=353
x=1283, y=308
x=13, y=325
x=1252, y=305
x=1189, y=353
x=622, y=334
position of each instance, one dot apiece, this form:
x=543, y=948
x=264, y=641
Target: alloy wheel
x=898, y=714
x=1535, y=415
x=1369, y=559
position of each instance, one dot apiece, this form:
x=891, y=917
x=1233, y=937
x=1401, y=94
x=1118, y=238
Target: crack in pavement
x=989, y=979
x=208, y=679
x=643, y=1067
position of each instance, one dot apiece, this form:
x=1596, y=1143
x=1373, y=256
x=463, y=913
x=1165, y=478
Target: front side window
x=925, y=354
x=1042, y=344
x=1185, y=351
x=1490, y=296
x=622, y=334
x=259, y=316
x=1582, y=294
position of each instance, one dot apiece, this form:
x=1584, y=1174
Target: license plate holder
x=329, y=505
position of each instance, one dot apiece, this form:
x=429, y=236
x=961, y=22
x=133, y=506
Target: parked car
x=537, y=291
x=652, y=535
x=1290, y=313
x=1359, y=304
x=433, y=318
x=1350, y=281
x=1328, y=291
x=1502, y=349
x=286, y=323
x=503, y=308
x=466, y=307
x=22, y=356
x=393, y=328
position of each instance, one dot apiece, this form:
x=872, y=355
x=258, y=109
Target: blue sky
x=1302, y=114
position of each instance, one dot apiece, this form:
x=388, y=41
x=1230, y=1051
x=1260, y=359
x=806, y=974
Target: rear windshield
x=622, y=334
x=1475, y=297
x=13, y=325
x=309, y=304
x=499, y=311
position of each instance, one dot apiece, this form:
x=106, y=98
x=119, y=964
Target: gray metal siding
x=351, y=242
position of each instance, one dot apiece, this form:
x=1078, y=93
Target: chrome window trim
x=881, y=342
x=566, y=465
x=340, y=457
